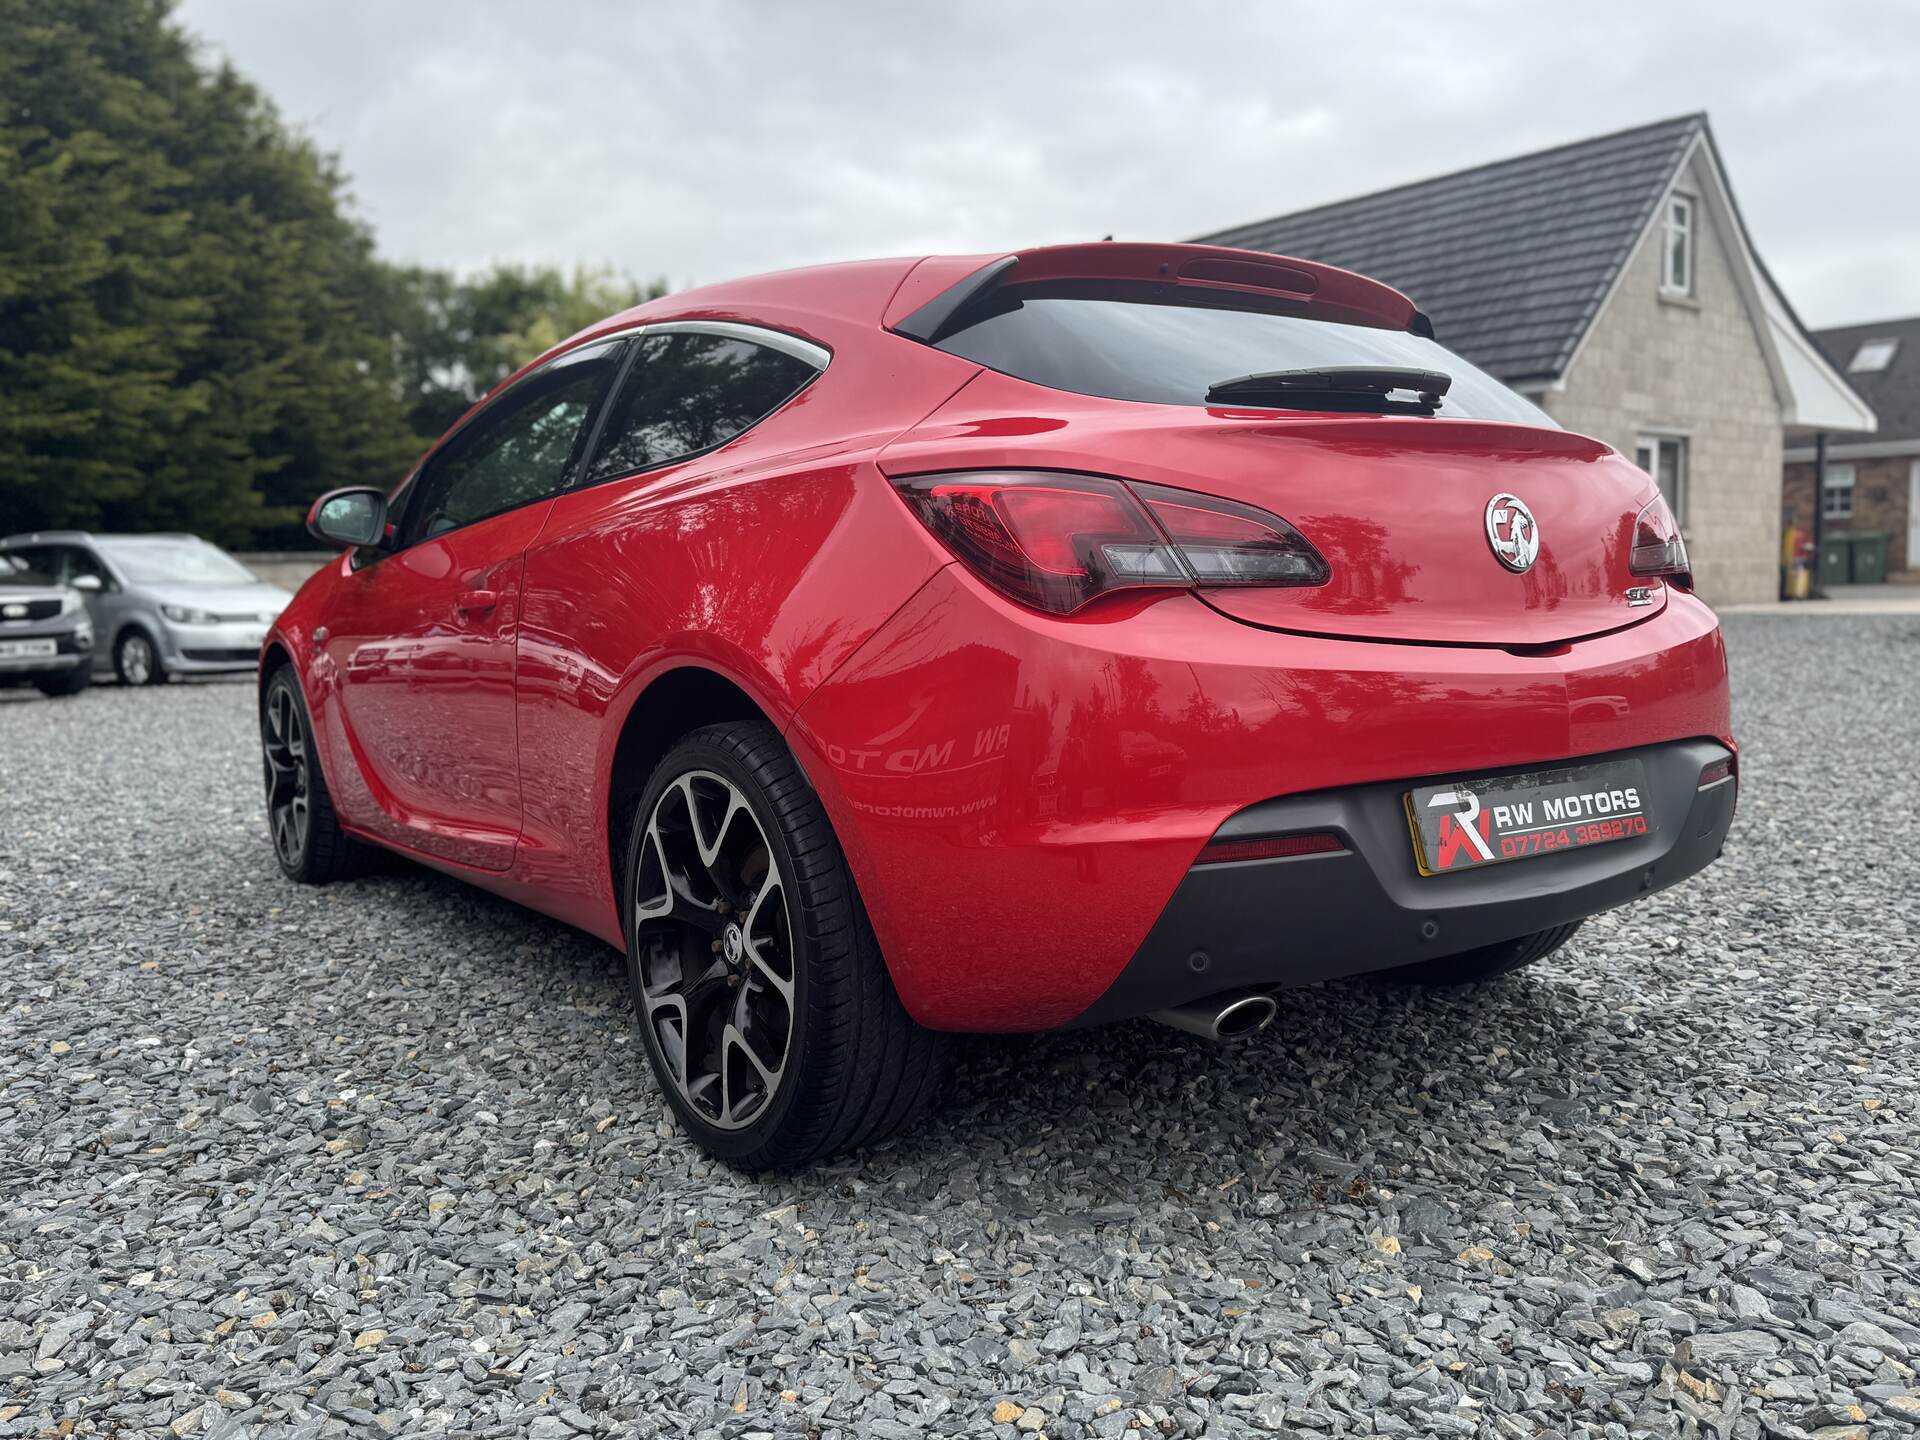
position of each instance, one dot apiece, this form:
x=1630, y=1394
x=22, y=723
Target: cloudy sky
x=698, y=141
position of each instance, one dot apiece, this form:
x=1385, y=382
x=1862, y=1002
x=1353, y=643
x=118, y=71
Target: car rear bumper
x=1268, y=924
x=1022, y=798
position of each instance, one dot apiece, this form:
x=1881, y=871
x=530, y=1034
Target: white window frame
x=1681, y=225
x=1837, y=485
x=1646, y=454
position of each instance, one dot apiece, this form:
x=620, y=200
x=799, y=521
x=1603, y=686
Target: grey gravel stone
x=1663, y=1184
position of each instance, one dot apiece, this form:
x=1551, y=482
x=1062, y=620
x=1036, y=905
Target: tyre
x=67, y=682
x=762, y=1001
x=136, y=660
x=1489, y=961
x=307, y=838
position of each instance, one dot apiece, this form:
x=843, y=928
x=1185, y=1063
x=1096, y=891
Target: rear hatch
x=1408, y=507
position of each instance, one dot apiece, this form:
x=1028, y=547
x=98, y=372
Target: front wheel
x=307, y=838
x=136, y=661
x=1486, y=963
x=762, y=1000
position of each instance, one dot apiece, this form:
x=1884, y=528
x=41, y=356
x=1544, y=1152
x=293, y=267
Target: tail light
x=1714, y=771
x=1058, y=541
x=1658, y=546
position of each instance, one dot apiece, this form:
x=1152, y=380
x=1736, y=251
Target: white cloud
x=703, y=141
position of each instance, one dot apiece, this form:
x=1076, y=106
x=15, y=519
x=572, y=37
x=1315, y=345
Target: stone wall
x=1692, y=367
x=288, y=569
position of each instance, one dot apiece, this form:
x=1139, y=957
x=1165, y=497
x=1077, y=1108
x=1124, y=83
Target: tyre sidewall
x=743, y=1145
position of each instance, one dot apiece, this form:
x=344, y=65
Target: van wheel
x=763, y=1003
x=136, y=661
x=1486, y=963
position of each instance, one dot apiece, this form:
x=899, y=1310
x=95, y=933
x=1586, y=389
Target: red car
x=1000, y=643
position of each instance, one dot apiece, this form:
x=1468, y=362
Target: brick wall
x=1693, y=368
x=1881, y=492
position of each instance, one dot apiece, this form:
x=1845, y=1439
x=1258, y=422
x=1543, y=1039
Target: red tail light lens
x=1228, y=544
x=1057, y=541
x=1658, y=546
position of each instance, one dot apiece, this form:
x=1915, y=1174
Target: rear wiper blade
x=1363, y=389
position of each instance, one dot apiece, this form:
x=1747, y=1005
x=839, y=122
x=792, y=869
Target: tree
x=458, y=339
x=194, y=332
x=190, y=329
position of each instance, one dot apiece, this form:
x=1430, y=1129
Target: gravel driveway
x=383, y=1159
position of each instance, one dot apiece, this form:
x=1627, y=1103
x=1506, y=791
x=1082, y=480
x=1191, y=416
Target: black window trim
x=410, y=487
x=806, y=351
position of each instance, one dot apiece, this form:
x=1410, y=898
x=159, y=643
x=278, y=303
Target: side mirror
x=350, y=518
x=88, y=583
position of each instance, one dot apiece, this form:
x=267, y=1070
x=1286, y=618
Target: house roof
x=1894, y=393
x=1511, y=260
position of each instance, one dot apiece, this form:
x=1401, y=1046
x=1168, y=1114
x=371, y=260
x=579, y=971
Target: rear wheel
x=763, y=1002
x=136, y=661
x=1489, y=961
x=307, y=838
x=68, y=682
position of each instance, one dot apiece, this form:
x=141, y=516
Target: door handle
x=471, y=600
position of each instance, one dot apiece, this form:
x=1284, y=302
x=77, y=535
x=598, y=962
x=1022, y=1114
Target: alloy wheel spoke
x=714, y=949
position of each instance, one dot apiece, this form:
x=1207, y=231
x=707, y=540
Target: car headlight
x=187, y=615
x=70, y=602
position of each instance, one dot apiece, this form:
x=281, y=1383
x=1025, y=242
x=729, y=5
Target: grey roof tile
x=1510, y=260
x=1894, y=393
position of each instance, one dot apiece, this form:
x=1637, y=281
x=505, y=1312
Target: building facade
x=1613, y=282
x=1872, y=483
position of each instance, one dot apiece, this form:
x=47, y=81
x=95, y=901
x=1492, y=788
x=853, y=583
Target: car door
x=620, y=571
x=420, y=640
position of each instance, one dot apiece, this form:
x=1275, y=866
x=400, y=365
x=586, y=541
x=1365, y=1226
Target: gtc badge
x=1512, y=533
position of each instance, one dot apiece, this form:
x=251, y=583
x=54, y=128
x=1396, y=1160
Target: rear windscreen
x=1171, y=354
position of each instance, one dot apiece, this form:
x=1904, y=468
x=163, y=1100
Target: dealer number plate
x=25, y=649
x=1463, y=824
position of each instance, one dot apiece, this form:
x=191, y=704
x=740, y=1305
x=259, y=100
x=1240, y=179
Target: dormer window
x=1873, y=355
x=1676, y=270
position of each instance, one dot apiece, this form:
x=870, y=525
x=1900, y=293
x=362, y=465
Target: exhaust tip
x=1246, y=1015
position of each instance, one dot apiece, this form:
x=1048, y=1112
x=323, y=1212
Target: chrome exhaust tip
x=1233, y=1015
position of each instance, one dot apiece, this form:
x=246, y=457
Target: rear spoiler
x=934, y=298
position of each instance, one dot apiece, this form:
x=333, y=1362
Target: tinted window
x=687, y=393
x=62, y=563
x=514, y=452
x=15, y=571
x=1171, y=354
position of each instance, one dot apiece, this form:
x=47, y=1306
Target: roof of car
x=1510, y=259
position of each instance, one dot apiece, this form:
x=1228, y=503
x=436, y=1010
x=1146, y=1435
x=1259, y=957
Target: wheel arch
x=672, y=704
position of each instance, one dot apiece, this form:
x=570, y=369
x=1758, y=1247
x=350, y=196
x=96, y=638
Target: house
x=1872, y=482
x=1613, y=282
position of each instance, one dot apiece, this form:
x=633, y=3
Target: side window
x=47, y=560
x=689, y=392
x=516, y=451
x=85, y=562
